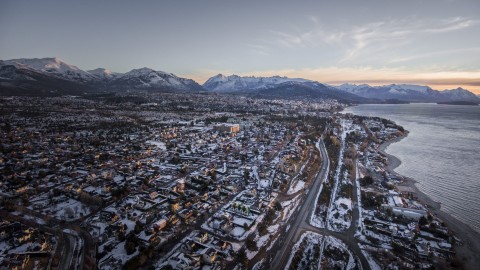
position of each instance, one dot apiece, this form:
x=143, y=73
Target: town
x=206, y=181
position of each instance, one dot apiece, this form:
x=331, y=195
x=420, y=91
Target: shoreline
x=469, y=252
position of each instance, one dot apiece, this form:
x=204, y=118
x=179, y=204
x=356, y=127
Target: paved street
x=301, y=223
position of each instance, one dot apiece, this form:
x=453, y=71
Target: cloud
x=294, y=40
x=366, y=42
x=313, y=19
x=452, y=24
x=433, y=54
x=256, y=49
x=371, y=38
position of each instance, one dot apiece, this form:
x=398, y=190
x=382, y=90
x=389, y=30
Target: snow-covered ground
x=296, y=187
x=117, y=254
x=337, y=173
x=339, y=214
x=360, y=224
x=261, y=183
x=258, y=265
x=160, y=145
x=296, y=183
x=341, y=218
x=289, y=207
x=308, y=248
x=342, y=257
x=313, y=248
x=238, y=218
x=64, y=209
x=373, y=264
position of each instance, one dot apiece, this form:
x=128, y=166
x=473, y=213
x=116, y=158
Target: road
x=301, y=223
x=66, y=241
x=67, y=254
x=67, y=246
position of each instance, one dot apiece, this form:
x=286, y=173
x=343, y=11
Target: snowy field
x=306, y=252
x=62, y=208
x=314, y=249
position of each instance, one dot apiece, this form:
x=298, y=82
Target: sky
x=435, y=43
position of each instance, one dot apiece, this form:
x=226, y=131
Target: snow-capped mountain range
x=104, y=74
x=52, y=66
x=25, y=72
x=400, y=92
x=146, y=78
x=54, y=76
x=233, y=83
x=409, y=92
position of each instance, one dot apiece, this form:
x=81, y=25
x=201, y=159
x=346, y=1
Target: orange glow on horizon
x=438, y=80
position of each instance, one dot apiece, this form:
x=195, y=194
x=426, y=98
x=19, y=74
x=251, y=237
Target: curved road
x=301, y=223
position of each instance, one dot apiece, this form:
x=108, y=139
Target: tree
x=213, y=174
x=397, y=248
x=246, y=176
x=269, y=216
x=69, y=212
x=131, y=243
x=129, y=247
x=138, y=226
x=262, y=228
x=422, y=221
x=250, y=243
x=242, y=257
x=277, y=205
x=366, y=180
x=430, y=218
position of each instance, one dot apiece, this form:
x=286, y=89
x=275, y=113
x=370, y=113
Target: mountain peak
x=53, y=69
x=142, y=70
x=410, y=93
x=232, y=83
x=100, y=71
x=40, y=63
x=52, y=65
x=147, y=78
x=103, y=73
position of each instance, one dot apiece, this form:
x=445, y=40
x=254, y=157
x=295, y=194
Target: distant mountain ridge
x=146, y=78
x=409, y=92
x=306, y=91
x=52, y=76
x=358, y=93
x=233, y=83
x=279, y=88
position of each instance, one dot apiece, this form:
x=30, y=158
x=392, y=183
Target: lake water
x=441, y=152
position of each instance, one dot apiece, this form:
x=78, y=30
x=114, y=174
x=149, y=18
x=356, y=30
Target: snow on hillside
x=418, y=88
x=149, y=78
x=459, y=94
x=52, y=66
x=408, y=92
x=221, y=83
x=103, y=74
x=348, y=87
x=144, y=78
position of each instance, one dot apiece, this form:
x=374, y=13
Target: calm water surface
x=442, y=152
